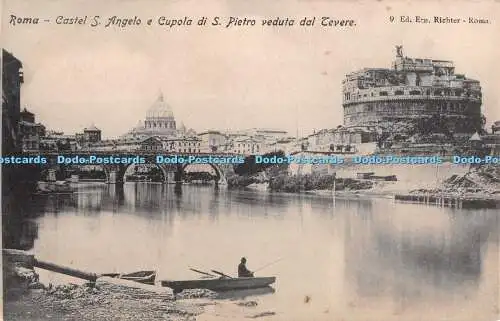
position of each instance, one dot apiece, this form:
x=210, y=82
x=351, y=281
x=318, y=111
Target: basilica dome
x=160, y=109
x=159, y=121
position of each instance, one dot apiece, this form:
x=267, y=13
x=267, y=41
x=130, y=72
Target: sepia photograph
x=295, y=160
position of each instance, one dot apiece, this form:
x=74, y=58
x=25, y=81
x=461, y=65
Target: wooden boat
x=220, y=284
x=59, y=187
x=391, y=178
x=146, y=277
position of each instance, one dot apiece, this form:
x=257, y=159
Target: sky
x=239, y=77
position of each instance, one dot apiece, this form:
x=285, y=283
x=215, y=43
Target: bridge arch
x=116, y=174
x=219, y=172
x=53, y=171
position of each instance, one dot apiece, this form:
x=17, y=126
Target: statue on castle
x=399, y=51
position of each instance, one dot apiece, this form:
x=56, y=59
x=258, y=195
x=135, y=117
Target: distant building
x=246, y=146
x=30, y=132
x=121, y=144
x=91, y=134
x=270, y=134
x=490, y=142
x=414, y=88
x=254, y=140
x=173, y=145
x=286, y=145
x=58, y=141
x=476, y=141
x=266, y=134
x=495, y=128
x=342, y=139
x=213, y=140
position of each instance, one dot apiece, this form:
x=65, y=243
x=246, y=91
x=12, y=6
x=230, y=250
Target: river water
x=337, y=259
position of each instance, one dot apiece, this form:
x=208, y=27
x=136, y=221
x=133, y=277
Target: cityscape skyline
x=288, y=79
x=144, y=105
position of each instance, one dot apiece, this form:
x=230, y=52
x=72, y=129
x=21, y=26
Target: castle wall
x=413, y=89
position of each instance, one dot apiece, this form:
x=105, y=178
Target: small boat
x=220, y=284
x=391, y=178
x=59, y=187
x=146, y=277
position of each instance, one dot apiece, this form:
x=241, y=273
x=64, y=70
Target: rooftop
x=91, y=128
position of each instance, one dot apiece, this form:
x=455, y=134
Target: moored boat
x=54, y=187
x=146, y=277
x=220, y=284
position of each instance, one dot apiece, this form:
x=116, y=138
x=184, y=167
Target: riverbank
x=73, y=302
x=474, y=183
x=380, y=189
x=26, y=299
x=84, y=303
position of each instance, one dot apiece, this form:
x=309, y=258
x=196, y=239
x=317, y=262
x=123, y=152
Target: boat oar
x=222, y=274
x=201, y=272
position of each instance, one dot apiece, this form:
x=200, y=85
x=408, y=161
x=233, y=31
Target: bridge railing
x=124, y=153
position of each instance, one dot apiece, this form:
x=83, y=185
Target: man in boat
x=243, y=272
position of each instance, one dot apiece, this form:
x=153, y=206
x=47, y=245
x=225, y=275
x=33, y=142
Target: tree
x=250, y=167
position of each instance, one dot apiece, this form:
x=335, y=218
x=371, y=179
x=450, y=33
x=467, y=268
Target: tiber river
x=354, y=259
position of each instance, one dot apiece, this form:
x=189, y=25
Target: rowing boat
x=146, y=277
x=220, y=284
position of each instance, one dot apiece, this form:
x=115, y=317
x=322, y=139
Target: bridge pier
x=114, y=178
x=222, y=181
x=170, y=179
x=51, y=175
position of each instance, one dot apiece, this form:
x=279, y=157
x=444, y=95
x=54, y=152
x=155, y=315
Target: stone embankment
x=478, y=188
x=482, y=181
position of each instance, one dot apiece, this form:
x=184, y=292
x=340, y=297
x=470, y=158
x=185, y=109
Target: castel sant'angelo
x=413, y=89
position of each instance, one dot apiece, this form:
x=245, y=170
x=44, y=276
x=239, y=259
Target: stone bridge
x=172, y=166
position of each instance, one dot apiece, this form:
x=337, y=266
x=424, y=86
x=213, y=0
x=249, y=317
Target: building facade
x=58, y=141
x=12, y=79
x=189, y=145
x=213, y=140
x=122, y=144
x=495, y=128
x=342, y=140
x=247, y=146
x=30, y=133
x=91, y=134
x=414, y=88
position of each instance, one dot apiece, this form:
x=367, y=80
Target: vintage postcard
x=231, y=160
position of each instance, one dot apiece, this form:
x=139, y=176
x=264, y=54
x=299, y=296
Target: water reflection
x=335, y=250
x=243, y=294
x=439, y=252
